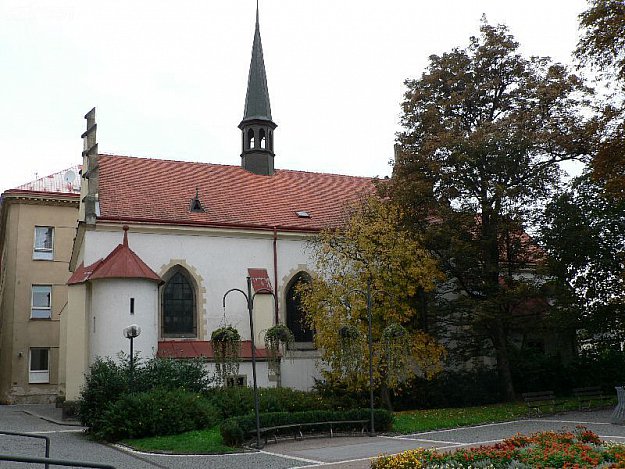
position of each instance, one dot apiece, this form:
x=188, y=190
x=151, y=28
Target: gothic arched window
x=250, y=139
x=295, y=313
x=179, y=306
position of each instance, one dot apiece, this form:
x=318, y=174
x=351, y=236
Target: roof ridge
x=301, y=171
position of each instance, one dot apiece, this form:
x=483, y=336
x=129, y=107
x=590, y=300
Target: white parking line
x=577, y=422
x=130, y=450
x=347, y=461
x=311, y=461
x=54, y=431
x=426, y=440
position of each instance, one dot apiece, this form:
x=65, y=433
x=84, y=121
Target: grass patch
x=414, y=421
x=435, y=419
x=195, y=442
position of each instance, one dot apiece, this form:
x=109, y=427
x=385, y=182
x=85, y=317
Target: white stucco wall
x=299, y=370
x=218, y=262
x=110, y=314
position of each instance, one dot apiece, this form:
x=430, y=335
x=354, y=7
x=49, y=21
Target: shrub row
x=232, y=402
x=156, y=412
x=236, y=430
x=109, y=380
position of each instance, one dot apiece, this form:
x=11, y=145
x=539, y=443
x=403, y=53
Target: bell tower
x=257, y=127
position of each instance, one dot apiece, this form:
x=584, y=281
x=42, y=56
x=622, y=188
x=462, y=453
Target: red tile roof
x=260, y=280
x=122, y=262
x=82, y=273
x=202, y=348
x=160, y=191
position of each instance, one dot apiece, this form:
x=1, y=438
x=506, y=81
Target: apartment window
x=41, y=302
x=44, y=243
x=39, y=367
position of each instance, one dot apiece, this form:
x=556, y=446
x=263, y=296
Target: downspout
x=275, y=273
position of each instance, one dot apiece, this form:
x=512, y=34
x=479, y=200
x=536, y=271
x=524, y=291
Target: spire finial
x=125, y=243
x=257, y=22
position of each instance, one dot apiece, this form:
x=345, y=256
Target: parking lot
x=70, y=442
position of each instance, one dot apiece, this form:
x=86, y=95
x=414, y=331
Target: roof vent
x=303, y=214
x=196, y=204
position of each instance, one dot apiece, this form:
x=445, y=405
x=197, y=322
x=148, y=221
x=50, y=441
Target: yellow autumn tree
x=372, y=252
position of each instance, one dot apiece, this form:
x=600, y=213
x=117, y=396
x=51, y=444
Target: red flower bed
x=581, y=449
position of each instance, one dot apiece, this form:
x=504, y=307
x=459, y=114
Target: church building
x=160, y=242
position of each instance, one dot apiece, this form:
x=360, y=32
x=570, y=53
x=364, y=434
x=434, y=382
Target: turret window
x=250, y=139
x=263, y=140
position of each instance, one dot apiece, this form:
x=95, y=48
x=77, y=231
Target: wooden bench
x=537, y=401
x=586, y=396
x=297, y=428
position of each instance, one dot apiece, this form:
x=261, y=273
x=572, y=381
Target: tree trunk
x=503, y=362
x=385, y=394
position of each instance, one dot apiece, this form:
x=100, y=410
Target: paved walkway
x=69, y=442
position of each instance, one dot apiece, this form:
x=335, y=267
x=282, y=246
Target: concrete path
x=69, y=442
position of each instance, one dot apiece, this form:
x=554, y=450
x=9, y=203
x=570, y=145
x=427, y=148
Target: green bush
x=169, y=373
x=233, y=402
x=108, y=380
x=236, y=430
x=152, y=413
x=105, y=383
x=535, y=371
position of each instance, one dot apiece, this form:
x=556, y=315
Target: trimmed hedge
x=157, y=412
x=236, y=430
x=233, y=402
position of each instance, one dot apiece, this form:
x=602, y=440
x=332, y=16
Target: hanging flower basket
x=278, y=338
x=226, y=342
x=347, y=333
x=350, y=350
x=396, y=350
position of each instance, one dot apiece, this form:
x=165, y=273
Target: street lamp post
x=131, y=332
x=249, y=298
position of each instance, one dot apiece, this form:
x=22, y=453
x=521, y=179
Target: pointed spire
x=257, y=98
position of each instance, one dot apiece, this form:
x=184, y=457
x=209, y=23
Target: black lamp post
x=249, y=298
x=131, y=332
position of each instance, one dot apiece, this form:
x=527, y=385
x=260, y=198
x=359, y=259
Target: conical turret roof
x=257, y=98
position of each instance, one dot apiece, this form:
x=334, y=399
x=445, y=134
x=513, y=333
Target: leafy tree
x=483, y=132
x=602, y=47
x=372, y=251
x=602, y=44
x=584, y=234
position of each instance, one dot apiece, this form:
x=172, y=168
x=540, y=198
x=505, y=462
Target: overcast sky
x=168, y=79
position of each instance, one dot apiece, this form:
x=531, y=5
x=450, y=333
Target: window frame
x=290, y=321
x=40, y=376
x=34, y=308
x=43, y=253
x=193, y=334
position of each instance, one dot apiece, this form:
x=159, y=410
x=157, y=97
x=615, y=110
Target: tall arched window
x=250, y=139
x=179, y=306
x=295, y=313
